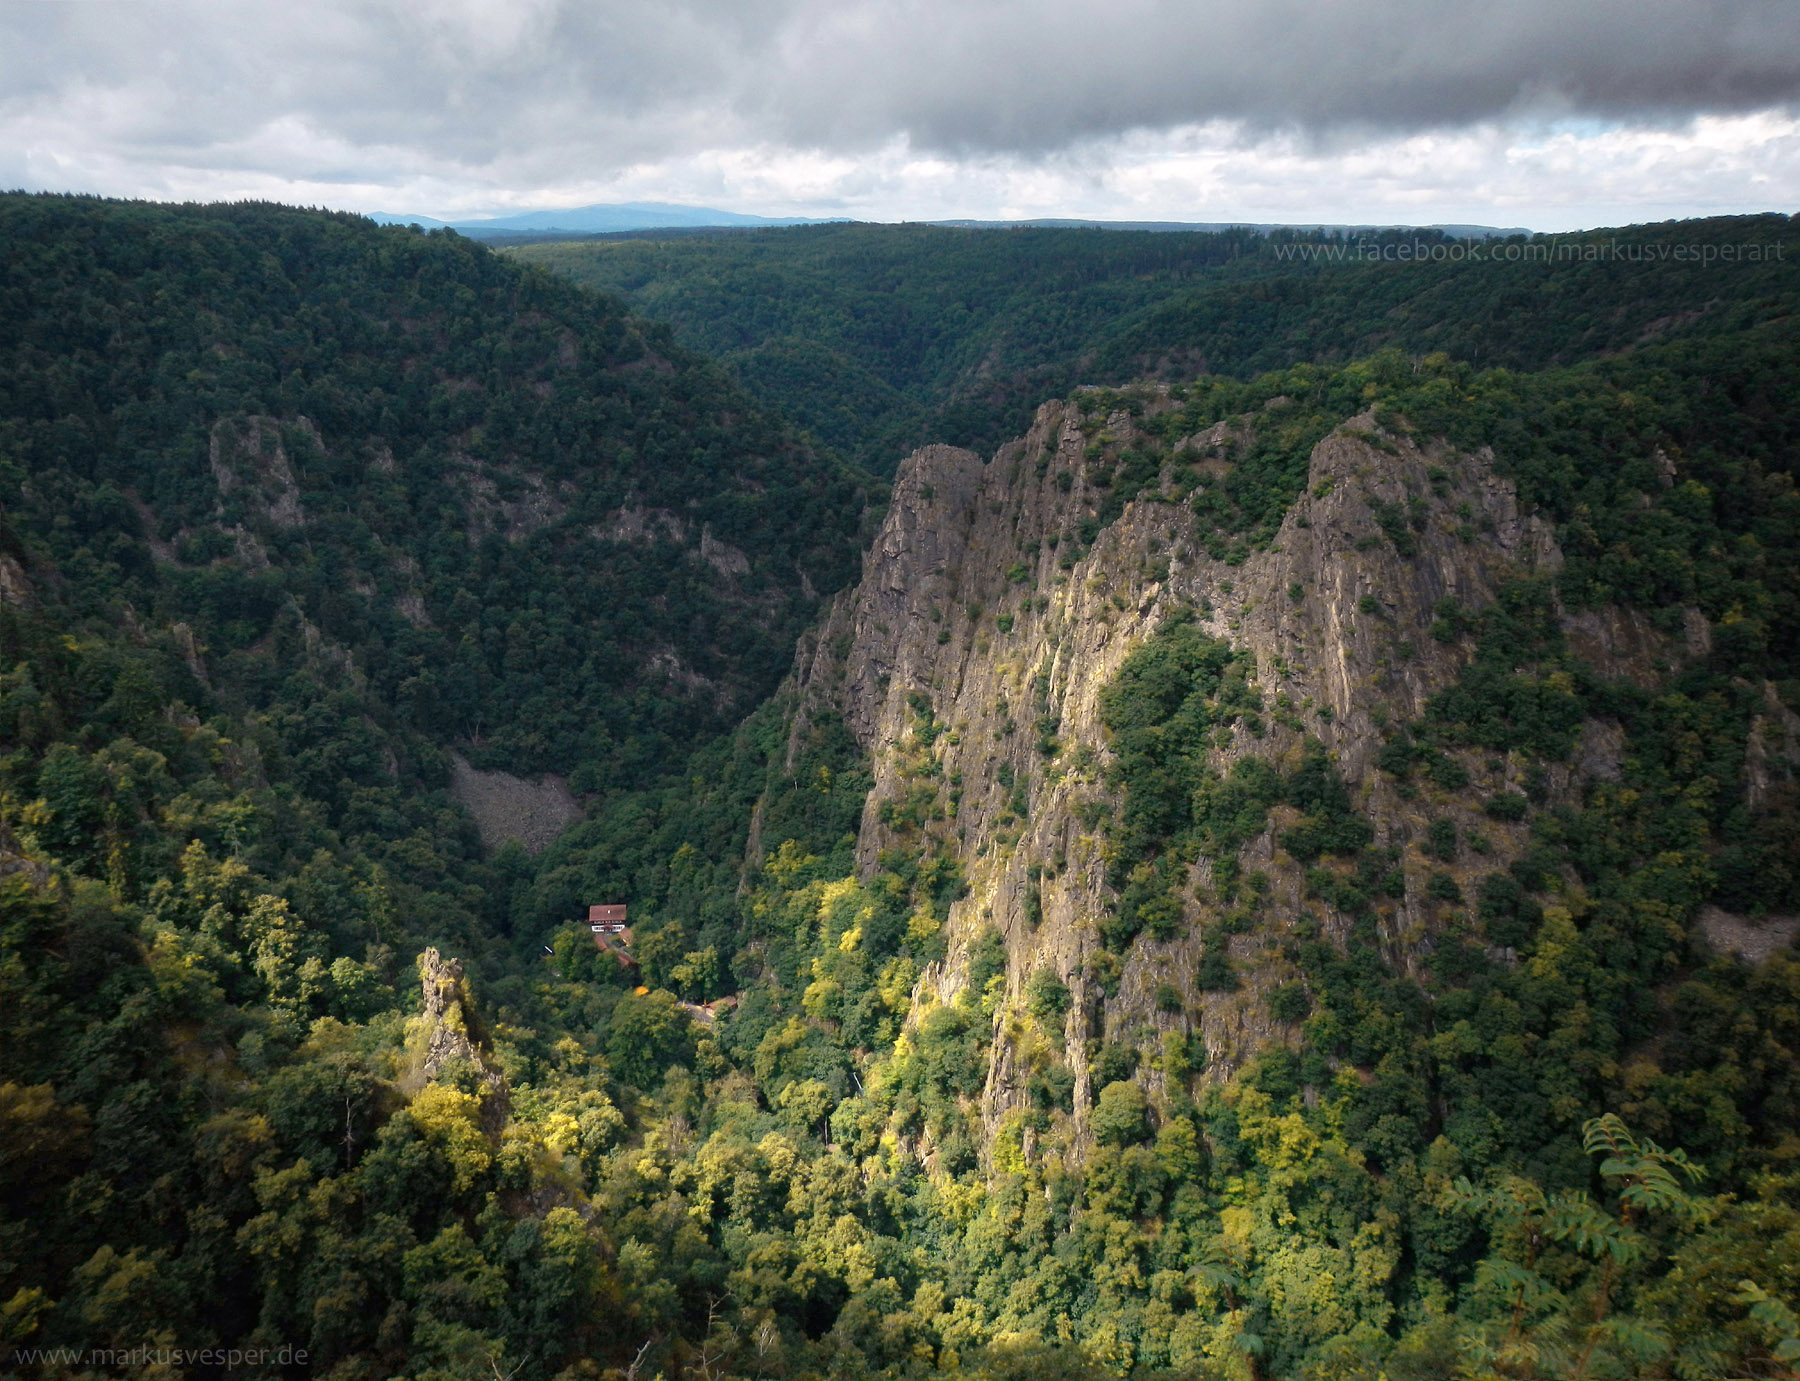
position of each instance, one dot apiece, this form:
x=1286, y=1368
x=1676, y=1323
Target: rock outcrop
x=15, y=860
x=447, y=1031
x=970, y=659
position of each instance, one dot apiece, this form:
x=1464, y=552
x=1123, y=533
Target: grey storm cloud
x=532, y=83
x=1025, y=76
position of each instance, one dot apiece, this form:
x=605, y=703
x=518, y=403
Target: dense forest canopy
x=494, y=493
x=880, y=338
x=287, y=1060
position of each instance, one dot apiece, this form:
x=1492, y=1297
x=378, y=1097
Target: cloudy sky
x=1553, y=114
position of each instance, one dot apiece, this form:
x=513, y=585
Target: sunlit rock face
x=971, y=659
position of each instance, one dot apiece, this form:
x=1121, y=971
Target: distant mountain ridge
x=611, y=217
x=1460, y=232
x=598, y=219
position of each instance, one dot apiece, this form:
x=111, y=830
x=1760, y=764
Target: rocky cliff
x=970, y=660
x=448, y=1031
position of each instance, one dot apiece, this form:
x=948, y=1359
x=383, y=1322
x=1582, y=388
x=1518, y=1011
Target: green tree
x=1121, y=1116
x=1549, y=1329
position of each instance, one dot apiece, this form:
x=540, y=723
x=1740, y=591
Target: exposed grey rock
x=1772, y=751
x=1750, y=940
x=964, y=601
x=508, y=807
x=249, y=458
x=1600, y=752
x=447, y=1029
x=13, y=859
x=15, y=587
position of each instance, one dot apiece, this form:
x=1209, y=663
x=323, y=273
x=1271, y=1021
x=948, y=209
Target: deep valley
x=1183, y=813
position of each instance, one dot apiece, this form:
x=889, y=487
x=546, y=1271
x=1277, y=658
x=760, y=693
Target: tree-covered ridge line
x=531, y=522
x=883, y=338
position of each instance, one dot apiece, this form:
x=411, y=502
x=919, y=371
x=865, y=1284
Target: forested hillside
x=526, y=520
x=882, y=338
x=1262, y=878
x=1240, y=1020
x=294, y=507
